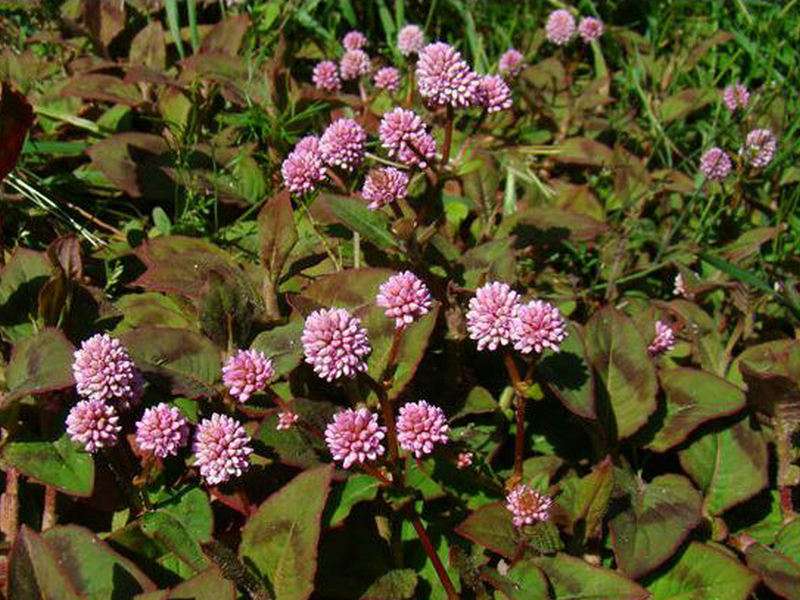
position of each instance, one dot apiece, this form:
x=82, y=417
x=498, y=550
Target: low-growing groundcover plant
x=399, y=300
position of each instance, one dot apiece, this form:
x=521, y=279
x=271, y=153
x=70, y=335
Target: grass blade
x=174, y=21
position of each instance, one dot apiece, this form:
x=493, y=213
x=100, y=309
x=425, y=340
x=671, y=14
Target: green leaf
x=693, y=397
x=780, y=573
x=372, y=225
x=277, y=233
x=20, y=280
x=573, y=579
x=788, y=540
x=60, y=464
x=703, y=573
x=185, y=362
x=523, y=581
x=281, y=537
x=192, y=508
x=164, y=527
x=34, y=572
x=685, y=102
x=151, y=309
x=161, y=221
x=490, y=526
x=585, y=499
x=135, y=163
x=729, y=466
x=569, y=375
x=206, y=585
x=356, y=488
x=296, y=446
x=659, y=518
x=282, y=344
x=93, y=567
x=399, y=584
x=41, y=363
x=618, y=352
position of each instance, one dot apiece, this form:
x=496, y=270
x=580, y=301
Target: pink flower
x=303, y=169
x=94, y=424
x=246, y=373
x=355, y=436
x=387, y=78
x=536, y=326
x=527, y=505
x=383, y=186
x=715, y=164
x=464, y=460
x=664, y=341
x=354, y=40
x=342, y=144
x=286, y=420
x=560, y=27
x=405, y=298
x=759, y=148
x=335, y=344
x=104, y=371
x=411, y=39
x=590, y=29
x=494, y=94
x=735, y=96
x=162, y=430
x=420, y=426
x=326, y=76
x=679, y=286
x=354, y=64
x=510, y=62
x=403, y=135
x=490, y=319
x=444, y=78
x=221, y=449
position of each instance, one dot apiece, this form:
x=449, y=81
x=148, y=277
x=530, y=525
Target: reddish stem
x=431, y=552
x=519, y=443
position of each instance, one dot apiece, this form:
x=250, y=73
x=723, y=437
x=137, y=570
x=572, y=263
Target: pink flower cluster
x=104, y=371
x=664, y=340
x=735, y=96
x=510, y=63
x=405, y=298
x=494, y=94
x=420, y=426
x=93, y=424
x=759, y=147
x=387, y=78
x=497, y=318
x=162, y=430
x=383, y=186
x=404, y=136
x=286, y=420
x=561, y=28
x=221, y=449
x=246, y=373
x=715, y=164
x=335, y=343
x=342, y=144
x=355, y=436
x=354, y=40
x=444, y=78
x=354, y=64
x=326, y=76
x=304, y=168
x=528, y=506
x=410, y=40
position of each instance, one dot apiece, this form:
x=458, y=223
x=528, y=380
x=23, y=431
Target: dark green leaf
x=34, y=570
x=282, y=344
x=571, y=578
x=207, y=585
x=61, y=464
x=41, y=363
x=399, y=584
x=585, y=500
x=356, y=488
x=490, y=526
x=277, y=233
x=569, y=375
x=372, y=225
x=523, y=581
x=20, y=280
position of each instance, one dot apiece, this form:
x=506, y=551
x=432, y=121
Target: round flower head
x=355, y=436
x=104, y=371
x=162, y=430
x=93, y=424
x=286, y=420
x=560, y=27
x=464, y=460
x=664, y=341
x=490, y=319
x=538, y=325
x=221, y=449
x=354, y=64
x=354, y=40
x=420, y=426
x=405, y=298
x=510, y=62
x=326, y=76
x=590, y=29
x=494, y=94
x=527, y=505
x=715, y=164
x=304, y=168
x=335, y=344
x=410, y=39
x=403, y=135
x=387, y=78
x=735, y=96
x=444, y=78
x=759, y=148
x=383, y=186
x=246, y=373
x=342, y=144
